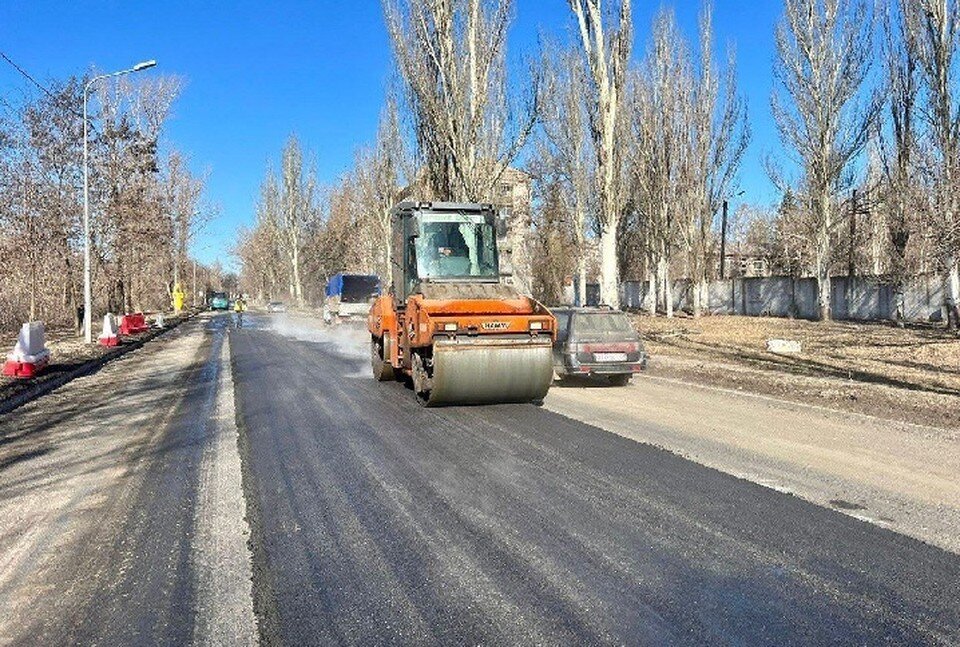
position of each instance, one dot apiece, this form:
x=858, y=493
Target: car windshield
x=456, y=245
x=602, y=324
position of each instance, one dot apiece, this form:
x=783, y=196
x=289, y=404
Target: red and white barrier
x=110, y=336
x=133, y=324
x=30, y=355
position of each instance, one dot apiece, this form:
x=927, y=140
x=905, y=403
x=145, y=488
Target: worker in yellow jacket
x=239, y=307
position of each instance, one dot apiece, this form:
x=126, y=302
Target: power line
x=43, y=88
x=26, y=75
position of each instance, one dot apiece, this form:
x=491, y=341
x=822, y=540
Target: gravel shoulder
x=70, y=357
x=121, y=518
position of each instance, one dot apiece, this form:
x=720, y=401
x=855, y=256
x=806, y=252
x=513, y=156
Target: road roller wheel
x=382, y=370
x=422, y=384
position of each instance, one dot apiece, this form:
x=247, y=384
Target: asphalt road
x=115, y=525
x=233, y=486
x=377, y=521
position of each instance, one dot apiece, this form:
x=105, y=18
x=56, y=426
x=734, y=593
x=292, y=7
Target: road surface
x=256, y=485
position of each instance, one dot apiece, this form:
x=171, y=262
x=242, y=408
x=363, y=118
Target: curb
x=87, y=368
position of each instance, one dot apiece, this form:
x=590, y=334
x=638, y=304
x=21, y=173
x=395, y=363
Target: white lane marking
x=221, y=558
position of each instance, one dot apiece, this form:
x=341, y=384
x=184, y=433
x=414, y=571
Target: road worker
x=239, y=307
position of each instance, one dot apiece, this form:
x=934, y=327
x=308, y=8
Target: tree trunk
x=297, y=284
x=652, y=293
x=823, y=259
x=951, y=292
x=899, y=298
x=609, y=285
x=581, y=296
x=667, y=294
x=663, y=270
x=699, y=287
x=33, y=288
x=387, y=269
x=823, y=291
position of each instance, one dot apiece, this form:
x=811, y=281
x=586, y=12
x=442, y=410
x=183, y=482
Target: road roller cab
x=448, y=322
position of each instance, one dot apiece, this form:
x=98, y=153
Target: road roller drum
x=472, y=371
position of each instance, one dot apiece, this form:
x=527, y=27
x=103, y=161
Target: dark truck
x=348, y=296
x=597, y=342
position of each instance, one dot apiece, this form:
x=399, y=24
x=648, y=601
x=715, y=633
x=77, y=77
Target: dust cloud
x=349, y=340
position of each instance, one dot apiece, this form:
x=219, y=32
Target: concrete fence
x=856, y=298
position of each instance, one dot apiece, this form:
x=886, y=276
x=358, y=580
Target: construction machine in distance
x=348, y=296
x=449, y=323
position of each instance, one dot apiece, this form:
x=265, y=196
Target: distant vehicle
x=276, y=306
x=597, y=342
x=349, y=296
x=220, y=301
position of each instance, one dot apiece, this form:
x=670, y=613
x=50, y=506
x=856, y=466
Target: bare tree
x=935, y=24
x=824, y=57
x=555, y=245
x=379, y=172
x=606, y=43
x=451, y=55
x=289, y=205
x=181, y=195
x=128, y=205
x=659, y=151
x=718, y=137
x=899, y=154
x=134, y=233
x=562, y=114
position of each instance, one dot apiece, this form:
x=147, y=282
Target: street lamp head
x=144, y=65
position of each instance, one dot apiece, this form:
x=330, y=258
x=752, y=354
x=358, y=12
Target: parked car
x=220, y=301
x=276, y=306
x=597, y=342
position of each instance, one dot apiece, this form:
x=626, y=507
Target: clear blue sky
x=258, y=71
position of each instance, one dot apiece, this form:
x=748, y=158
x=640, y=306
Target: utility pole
x=723, y=241
x=853, y=233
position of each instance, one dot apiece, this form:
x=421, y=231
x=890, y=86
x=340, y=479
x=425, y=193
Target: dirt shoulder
x=903, y=374
x=70, y=357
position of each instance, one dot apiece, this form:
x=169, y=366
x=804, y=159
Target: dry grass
x=914, y=371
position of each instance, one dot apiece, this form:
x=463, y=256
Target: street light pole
x=87, y=287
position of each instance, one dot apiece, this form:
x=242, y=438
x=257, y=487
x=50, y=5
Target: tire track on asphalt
x=221, y=557
x=263, y=590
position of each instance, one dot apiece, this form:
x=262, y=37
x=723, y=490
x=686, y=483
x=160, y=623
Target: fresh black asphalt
x=377, y=521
